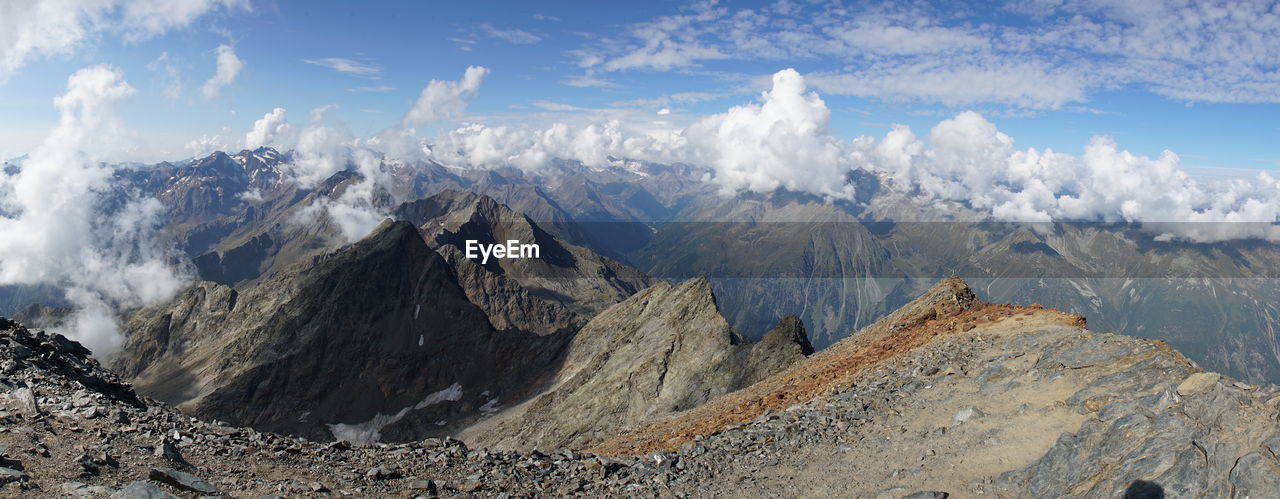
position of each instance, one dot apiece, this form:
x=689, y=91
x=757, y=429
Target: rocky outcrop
x=376, y=341
x=1154, y=422
x=558, y=291
x=947, y=400
x=665, y=350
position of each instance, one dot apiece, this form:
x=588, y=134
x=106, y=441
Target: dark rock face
x=556, y=292
x=373, y=342
x=664, y=350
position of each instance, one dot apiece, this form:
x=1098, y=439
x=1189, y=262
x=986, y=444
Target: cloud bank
x=783, y=142
x=63, y=226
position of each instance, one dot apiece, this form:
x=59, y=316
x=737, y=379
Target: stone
x=142, y=490
x=927, y=495
x=428, y=486
x=182, y=480
x=167, y=450
x=26, y=401
x=967, y=413
x=1197, y=383
x=382, y=473
x=11, y=475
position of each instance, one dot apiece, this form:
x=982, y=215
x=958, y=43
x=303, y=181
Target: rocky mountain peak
x=665, y=350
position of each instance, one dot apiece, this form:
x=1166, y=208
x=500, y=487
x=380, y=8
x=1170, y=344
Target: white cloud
x=351, y=67
x=34, y=29
x=317, y=114
x=64, y=230
x=782, y=142
x=514, y=35
x=588, y=79
x=228, y=67
x=224, y=141
x=967, y=159
x=319, y=151
x=445, y=99
x=1045, y=57
x=272, y=129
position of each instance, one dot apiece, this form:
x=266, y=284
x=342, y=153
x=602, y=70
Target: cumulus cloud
x=272, y=129
x=228, y=67
x=967, y=159
x=781, y=142
x=63, y=227
x=445, y=99
x=224, y=140
x=33, y=29
x=319, y=151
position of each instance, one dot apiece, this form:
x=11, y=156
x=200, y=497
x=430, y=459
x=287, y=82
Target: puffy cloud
x=445, y=99
x=63, y=227
x=782, y=142
x=229, y=67
x=967, y=159
x=592, y=144
x=31, y=29
x=266, y=131
x=319, y=151
x=207, y=144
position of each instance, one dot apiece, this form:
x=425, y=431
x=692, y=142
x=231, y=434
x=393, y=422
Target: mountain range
x=838, y=265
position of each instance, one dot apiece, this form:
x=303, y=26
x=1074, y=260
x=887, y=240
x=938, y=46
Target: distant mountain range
x=836, y=265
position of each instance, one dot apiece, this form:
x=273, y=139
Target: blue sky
x=1049, y=76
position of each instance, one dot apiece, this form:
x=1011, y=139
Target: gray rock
x=26, y=401
x=382, y=473
x=182, y=481
x=967, y=413
x=927, y=495
x=11, y=475
x=428, y=486
x=78, y=489
x=142, y=490
x=167, y=450
x=1256, y=475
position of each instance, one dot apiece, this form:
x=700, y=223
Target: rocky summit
x=948, y=397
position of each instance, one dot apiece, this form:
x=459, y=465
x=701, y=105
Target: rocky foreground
x=950, y=396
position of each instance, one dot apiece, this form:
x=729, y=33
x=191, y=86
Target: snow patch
x=370, y=432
